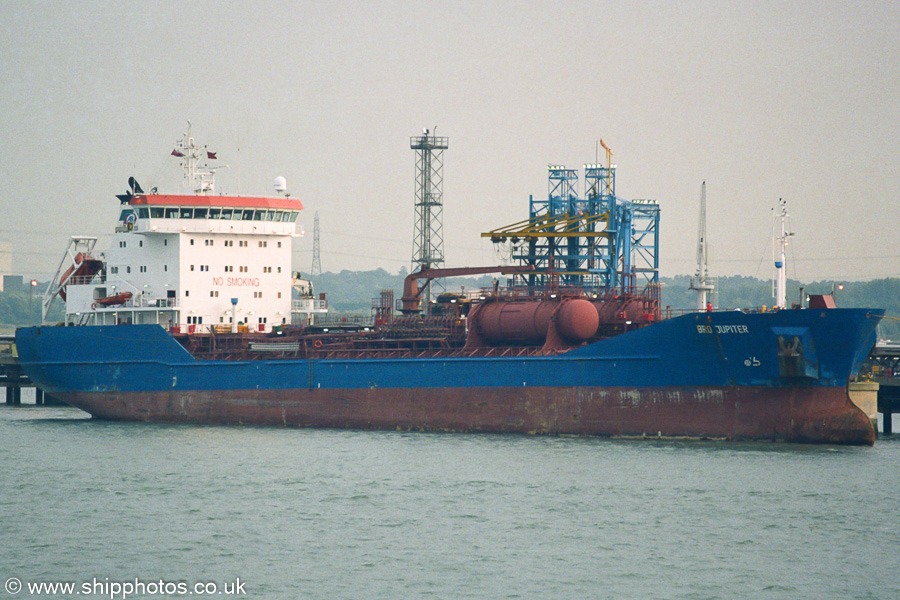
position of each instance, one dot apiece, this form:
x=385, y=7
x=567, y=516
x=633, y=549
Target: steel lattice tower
x=428, y=238
x=316, y=268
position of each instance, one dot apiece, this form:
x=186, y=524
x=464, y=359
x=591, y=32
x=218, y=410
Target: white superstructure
x=187, y=262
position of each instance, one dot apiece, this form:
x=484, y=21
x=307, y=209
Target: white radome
x=280, y=184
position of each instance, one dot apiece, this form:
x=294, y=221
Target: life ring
x=317, y=344
x=94, y=306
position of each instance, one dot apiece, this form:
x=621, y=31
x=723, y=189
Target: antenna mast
x=199, y=177
x=778, y=255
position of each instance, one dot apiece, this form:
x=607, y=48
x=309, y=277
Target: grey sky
x=761, y=99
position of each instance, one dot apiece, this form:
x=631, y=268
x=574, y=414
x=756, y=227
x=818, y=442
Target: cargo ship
x=193, y=315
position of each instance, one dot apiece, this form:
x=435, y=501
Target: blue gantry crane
x=595, y=241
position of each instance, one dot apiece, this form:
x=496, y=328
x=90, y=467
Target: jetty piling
x=13, y=379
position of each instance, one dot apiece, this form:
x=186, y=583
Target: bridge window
x=186, y=213
x=157, y=212
x=171, y=212
x=200, y=213
x=226, y=213
x=215, y=213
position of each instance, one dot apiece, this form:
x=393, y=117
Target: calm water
x=336, y=514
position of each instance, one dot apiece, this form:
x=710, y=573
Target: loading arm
x=412, y=292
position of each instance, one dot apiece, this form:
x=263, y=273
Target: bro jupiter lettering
x=722, y=329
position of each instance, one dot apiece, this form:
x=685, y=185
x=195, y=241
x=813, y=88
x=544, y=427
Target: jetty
x=884, y=365
x=13, y=379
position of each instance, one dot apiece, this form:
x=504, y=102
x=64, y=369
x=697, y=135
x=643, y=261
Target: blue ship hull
x=732, y=375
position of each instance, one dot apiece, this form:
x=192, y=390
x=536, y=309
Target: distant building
x=6, y=263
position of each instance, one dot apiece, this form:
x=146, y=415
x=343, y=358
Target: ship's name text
x=237, y=281
x=722, y=329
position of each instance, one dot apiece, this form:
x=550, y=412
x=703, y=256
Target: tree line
x=353, y=292
x=19, y=309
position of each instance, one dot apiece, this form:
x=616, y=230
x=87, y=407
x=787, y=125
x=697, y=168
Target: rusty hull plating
x=807, y=415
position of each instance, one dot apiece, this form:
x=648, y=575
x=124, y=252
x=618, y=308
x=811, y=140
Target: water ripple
x=340, y=514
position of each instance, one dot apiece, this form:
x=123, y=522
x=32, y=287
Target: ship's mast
x=778, y=252
x=701, y=282
x=199, y=177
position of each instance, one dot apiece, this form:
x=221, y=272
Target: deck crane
x=701, y=282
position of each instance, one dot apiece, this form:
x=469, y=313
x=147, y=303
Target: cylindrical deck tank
x=607, y=310
x=633, y=309
x=527, y=321
x=619, y=309
x=577, y=320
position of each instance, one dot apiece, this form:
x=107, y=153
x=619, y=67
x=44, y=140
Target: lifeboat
x=83, y=269
x=115, y=300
